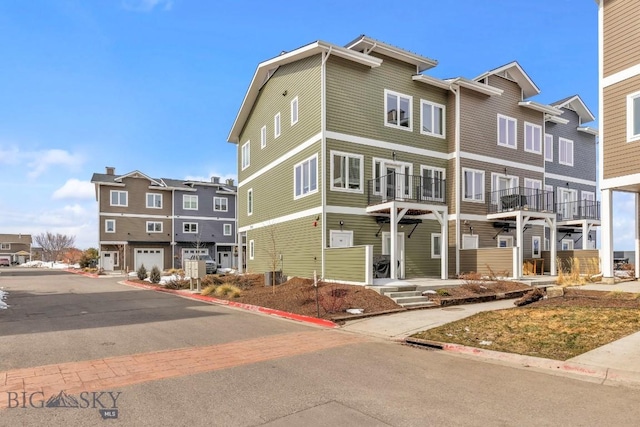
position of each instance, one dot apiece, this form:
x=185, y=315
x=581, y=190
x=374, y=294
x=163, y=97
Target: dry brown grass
x=573, y=272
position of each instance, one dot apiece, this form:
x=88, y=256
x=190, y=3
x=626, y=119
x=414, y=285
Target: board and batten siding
x=346, y=264
x=621, y=35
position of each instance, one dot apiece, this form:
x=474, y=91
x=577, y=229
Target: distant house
x=15, y=247
x=160, y=221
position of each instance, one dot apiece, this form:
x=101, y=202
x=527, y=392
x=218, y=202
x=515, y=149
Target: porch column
x=553, y=249
x=606, y=251
x=637, y=254
x=442, y=218
x=240, y=260
x=393, y=239
x=519, y=230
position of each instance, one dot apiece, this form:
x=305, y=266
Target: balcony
x=406, y=188
x=520, y=198
x=579, y=210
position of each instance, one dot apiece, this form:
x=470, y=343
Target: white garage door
x=149, y=257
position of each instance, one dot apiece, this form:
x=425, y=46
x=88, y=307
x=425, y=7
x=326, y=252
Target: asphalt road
x=256, y=375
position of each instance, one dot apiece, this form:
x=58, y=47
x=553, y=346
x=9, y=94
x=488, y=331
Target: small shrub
x=154, y=276
x=142, y=272
x=333, y=298
x=228, y=290
x=208, y=290
x=443, y=292
x=472, y=278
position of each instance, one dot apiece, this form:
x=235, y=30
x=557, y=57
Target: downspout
x=173, y=228
x=457, y=175
x=323, y=130
x=99, y=228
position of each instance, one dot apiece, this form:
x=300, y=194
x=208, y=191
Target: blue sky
x=155, y=85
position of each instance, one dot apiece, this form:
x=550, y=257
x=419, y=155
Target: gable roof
x=515, y=72
x=15, y=238
x=138, y=174
x=266, y=69
x=576, y=104
x=367, y=45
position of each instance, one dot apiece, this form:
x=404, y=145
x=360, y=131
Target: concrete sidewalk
x=615, y=363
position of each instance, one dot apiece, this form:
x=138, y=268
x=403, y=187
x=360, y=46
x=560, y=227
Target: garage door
x=149, y=257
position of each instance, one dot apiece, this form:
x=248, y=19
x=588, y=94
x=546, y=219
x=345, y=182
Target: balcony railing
x=520, y=198
x=406, y=188
x=582, y=209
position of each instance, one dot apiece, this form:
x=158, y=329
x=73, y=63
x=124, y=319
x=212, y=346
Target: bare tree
x=54, y=245
x=273, y=253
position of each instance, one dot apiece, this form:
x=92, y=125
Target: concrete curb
x=249, y=307
x=606, y=376
x=82, y=273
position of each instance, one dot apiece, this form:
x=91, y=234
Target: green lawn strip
x=558, y=333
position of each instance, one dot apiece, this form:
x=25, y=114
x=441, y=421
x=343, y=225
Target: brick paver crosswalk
x=119, y=371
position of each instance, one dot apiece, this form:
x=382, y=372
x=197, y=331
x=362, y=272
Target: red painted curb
x=81, y=273
x=249, y=307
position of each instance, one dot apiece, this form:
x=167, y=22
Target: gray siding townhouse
x=15, y=247
x=157, y=222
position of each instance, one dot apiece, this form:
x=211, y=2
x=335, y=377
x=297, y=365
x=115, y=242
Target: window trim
x=276, y=125
x=300, y=164
x=154, y=231
x=295, y=110
x=252, y=249
x=508, y=239
x=250, y=202
x=106, y=227
x=184, y=199
x=388, y=92
x=5, y=246
x=475, y=238
x=153, y=194
x=533, y=246
x=263, y=136
x=444, y=178
x=433, y=245
x=226, y=204
x=126, y=196
x=572, y=245
x=246, y=155
x=185, y=224
x=464, y=181
x=224, y=229
x=560, y=150
x=444, y=119
x=349, y=232
x=515, y=127
x=631, y=137
x=533, y=127
x=548, y=154
x=360, y=157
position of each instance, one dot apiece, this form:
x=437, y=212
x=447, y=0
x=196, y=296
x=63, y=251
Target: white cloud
x=42, y=160
x=146, y=5
x=10, y=156
x=75, y=189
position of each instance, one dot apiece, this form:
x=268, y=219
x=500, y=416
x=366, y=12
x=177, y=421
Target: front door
x=107, y=261
x=393, y=181
x=386, y=250
x=535, y=246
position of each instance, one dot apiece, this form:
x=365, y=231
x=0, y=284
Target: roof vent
x=230, y=182
x=215, y=179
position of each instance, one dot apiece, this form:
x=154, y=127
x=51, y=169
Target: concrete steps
x=405, y=296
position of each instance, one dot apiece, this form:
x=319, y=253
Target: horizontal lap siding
x=135, y=229
x=584, y=257
x=346, y=264
x=127, y=254
x=485, y=261
x=621, y=35
x=620, y=157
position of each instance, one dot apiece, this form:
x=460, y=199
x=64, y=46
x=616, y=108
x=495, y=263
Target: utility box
x=195, y=269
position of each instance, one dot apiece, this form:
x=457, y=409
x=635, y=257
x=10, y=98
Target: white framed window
x=473, y=185
x=227, y=230
x=190, y=202
x=246, y=155
x=251, y=249
x=432, y=183
x=589, y=209
x=347, y=172
x=633, y=117
x=548, y=198
x=154, y=227
x=436, y=245
x=220, y=204
x=340, y=239
x=398, y=110
x=305, y=177
x=505, y=241
x=263, y=137
x=532, y=138
x=190, y=227
x=154, y=200
x=393, y=178
x=250, y=201
x=565, y=151
x=119, y=198
x=507, y=131
x=548, y=147
x=5, y=246
x=109, y=225
x=276, y=125
x=566, y=244
x=469, y=241
x=501, y=185
x=535, y=246
x=294, y=111
x=432, y=119
x=567, y=203
x=546, y=243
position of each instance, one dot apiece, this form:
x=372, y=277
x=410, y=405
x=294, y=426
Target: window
x=246, y=155
x=347, y=172
x=227, y=229
x=276, y=126
x=565, y=151
x=589, y=208
x=548, y=197
x=109, y=225
x=473, y=185
x=436, y=245
x=535, y=246
x=469, y=241
x=548, y=147
x=5, y=246
x=566, y=244
x=398, y=111
x=250, y=201
x=263, y=137
x=154, y=227
x=567, y=203
x=532, y=138
x=507, y=131
x=251, y=249
x=505, y=241
x=633, y=117
x=432, y=119
x=190, y=227
x=118, y=198
x=306, y=177
x=154, y=200
x=294, y=111
x=190, y=202
x=502, y=185
x=220, y=204
x=432, y=183
x=546, y=243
